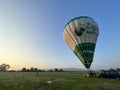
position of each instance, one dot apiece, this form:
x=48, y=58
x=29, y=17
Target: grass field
x=54, y=81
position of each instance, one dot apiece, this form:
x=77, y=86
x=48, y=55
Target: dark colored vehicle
x=109, y=74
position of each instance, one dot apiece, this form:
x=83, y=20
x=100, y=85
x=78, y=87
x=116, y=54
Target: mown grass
x=60, y=81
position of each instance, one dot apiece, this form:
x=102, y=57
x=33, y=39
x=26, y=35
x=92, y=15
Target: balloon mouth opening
x=87, y=64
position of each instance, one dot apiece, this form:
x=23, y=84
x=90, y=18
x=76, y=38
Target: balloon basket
x=91, y=74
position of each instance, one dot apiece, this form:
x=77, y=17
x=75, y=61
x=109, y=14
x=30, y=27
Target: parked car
x=109, y=74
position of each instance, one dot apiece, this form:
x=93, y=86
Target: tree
x=4, y=67
x=36, y=69
x=51, y=70
x=56, y=70
x=31, y=69
x=61, y=70
x=24, y=69
x=28, y=70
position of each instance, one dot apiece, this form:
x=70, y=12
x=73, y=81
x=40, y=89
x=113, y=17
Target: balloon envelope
x=80, y=34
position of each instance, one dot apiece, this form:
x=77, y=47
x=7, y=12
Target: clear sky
x=31, y=32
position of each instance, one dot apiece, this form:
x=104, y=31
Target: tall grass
x=59, y=81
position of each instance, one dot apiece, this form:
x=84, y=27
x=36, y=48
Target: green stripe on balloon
x=85, y=52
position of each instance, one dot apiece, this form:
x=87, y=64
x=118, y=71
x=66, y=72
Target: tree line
x=32, y=69
x=5, y=67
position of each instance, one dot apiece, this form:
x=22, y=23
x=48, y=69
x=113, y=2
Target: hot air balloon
x=80, y=34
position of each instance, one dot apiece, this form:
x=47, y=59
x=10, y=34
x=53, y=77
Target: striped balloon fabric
x=80, y=34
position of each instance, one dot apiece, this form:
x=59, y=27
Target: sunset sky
x=31, y=33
